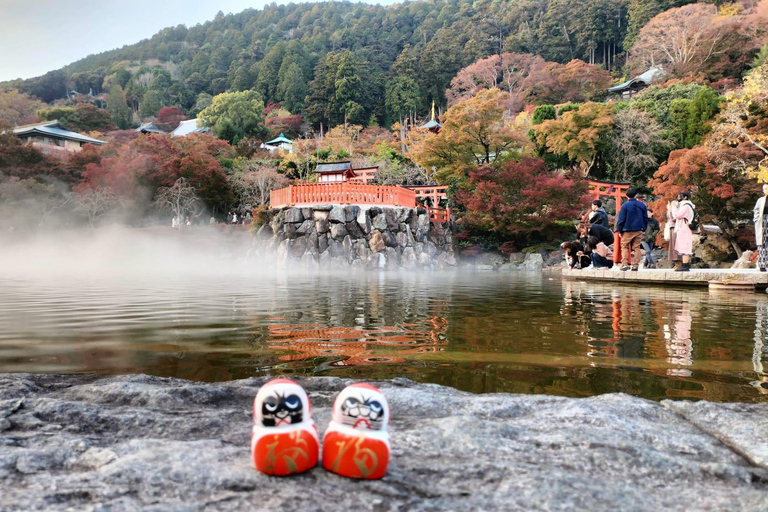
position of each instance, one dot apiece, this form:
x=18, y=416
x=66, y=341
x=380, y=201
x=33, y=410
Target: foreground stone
x=139, y=442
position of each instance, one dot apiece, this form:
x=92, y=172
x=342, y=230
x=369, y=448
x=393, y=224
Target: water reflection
x=476, y=332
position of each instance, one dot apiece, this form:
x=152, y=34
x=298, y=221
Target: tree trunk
x=726, y=229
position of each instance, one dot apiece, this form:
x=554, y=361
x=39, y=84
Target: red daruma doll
x=356, y=444
x=284, y=439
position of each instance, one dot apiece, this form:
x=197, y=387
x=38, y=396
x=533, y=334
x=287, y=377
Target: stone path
x=139, y=442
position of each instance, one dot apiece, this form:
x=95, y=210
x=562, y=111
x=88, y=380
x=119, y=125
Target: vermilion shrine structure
x=339, y=184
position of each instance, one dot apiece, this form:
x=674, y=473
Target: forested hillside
x=391, y=60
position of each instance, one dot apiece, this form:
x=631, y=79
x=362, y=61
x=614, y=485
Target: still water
x=479, y=332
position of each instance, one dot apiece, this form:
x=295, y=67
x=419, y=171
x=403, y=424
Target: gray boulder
x=337, y=214
x=150, y=443
x=294, y=215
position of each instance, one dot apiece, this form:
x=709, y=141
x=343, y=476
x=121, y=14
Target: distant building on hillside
x=433, y=124
x=334, y=172
x=51, y=136
x=637, y=84
x=187, y=127
x=282, y=143
x=149, y=128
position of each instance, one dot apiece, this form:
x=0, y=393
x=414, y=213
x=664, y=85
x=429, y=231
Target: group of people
x=637, y=228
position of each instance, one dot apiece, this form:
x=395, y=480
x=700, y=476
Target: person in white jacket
x=761, y=234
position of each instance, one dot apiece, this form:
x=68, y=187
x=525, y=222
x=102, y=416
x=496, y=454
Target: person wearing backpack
x=760, y=218
x=683, y=215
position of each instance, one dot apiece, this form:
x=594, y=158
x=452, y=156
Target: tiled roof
x=333, y=167
x=278, y=140
x=650, y=76
x=187, y=127
x=149, y=128
x=55, y=129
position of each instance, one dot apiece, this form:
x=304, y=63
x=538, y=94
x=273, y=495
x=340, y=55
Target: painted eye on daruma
x=270, y=407
x=375, y=406
x=293, y=402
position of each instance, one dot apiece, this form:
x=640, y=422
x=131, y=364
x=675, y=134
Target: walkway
x=696, y=277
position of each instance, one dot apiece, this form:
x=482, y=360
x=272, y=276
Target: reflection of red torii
x=598, y=189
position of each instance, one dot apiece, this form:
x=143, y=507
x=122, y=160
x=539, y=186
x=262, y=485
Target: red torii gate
x=598, y=189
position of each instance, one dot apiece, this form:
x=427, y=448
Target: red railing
x=439, y=214
x=341, y=193
x=435, y=192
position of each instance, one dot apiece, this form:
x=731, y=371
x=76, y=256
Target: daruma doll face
x=280, y=402
x=363, y=407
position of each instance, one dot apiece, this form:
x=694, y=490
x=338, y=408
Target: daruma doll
x=284, y=440
x=356, y=443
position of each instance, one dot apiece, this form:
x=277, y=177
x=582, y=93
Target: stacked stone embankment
x=359, y=237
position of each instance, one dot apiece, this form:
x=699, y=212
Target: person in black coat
x=600, y=232
x=649, y=239
x=598, y=215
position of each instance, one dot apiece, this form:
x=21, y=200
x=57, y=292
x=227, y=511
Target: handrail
x=308, y=194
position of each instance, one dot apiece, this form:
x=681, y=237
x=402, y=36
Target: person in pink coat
x=682, y=214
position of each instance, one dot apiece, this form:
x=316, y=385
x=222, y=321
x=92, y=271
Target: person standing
x=760, y=217
x=649, y=239
x=599, y=215
x=633, y=220
x=683, y=215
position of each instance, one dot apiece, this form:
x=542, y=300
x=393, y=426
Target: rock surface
x=312, y=235
x=149, y=443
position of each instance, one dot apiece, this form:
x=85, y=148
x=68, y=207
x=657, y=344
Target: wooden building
x=637, y=84
x=51, y=137
x=334, y=172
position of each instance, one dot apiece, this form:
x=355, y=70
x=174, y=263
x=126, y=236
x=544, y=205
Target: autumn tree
x=681, y=40
x=475, y=131
x=519, y=198
x=234, y=116
x=118, y=109
x=583, y=135
x=17, y=108
x=169, y=118
x=252, y=181
x=636, y=146
x=744, y=119
x=724, y=196
x=181, y=199
x=95, y=202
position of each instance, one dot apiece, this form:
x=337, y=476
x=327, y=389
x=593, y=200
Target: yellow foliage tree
x=475, y=131
x=744, y=119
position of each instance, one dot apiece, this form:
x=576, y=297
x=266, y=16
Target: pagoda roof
x=431, y=124
x=55, y=129
x=278, y=140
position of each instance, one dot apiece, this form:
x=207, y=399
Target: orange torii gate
x=598, y=189
x=616, y=190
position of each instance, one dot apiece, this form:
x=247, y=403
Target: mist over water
x=197, y=304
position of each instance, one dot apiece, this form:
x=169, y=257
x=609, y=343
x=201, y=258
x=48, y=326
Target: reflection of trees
x=357, y=345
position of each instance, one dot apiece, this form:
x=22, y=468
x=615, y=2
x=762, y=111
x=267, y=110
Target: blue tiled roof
x=54, y=129
x=278, y=140
x=333, y=167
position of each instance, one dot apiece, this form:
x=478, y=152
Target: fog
x=124, y=252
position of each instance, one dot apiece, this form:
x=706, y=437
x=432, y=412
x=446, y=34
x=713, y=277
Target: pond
x=479, y=332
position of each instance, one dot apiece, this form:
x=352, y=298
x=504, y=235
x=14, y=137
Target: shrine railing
x=342, y=193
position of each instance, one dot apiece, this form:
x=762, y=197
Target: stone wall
x=361, y=237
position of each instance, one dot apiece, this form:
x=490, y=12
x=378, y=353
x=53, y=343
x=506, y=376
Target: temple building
x=637, y=84
x=335, y=172
x=187, y=127
x=149, y=128
x=282, y=143
x=51, y=136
